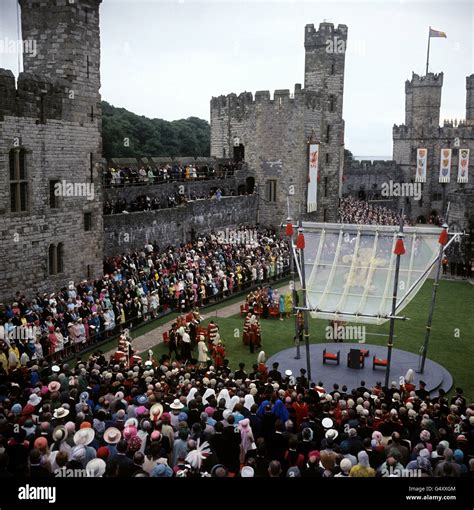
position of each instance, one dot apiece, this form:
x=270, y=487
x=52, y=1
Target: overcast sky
x=167, y=59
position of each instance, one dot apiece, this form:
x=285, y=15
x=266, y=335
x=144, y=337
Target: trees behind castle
x=126, y=134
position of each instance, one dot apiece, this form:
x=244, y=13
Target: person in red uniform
x=262, y=368
x=218, y=354
x=212, y=330
x=245, y=336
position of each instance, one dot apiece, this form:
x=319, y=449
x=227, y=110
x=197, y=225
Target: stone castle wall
x=125, y=232
x=52, y=114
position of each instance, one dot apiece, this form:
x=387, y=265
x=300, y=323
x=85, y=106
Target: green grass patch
x=451, y=343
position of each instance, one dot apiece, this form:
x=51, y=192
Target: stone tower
x=422, y=129
x=325, y=54
x=68, y=46
x=470, y=97
x=271, y=134
x=423, y=100
x=50, y=145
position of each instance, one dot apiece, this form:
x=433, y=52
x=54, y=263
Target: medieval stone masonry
x=50, y=132
x=272, y=134
x=52, y=226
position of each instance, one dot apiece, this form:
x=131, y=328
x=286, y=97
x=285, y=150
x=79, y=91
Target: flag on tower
x=437, y=33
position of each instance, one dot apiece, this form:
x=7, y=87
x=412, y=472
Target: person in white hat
x=95, y=468
x=247, y=472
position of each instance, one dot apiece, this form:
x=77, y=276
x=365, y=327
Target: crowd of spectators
x=359, y=212
x=137, y=287
x=126, y=175
x=100, y=419
x=147, y=203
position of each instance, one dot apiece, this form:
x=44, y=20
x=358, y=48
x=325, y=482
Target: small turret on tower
x=423, y=100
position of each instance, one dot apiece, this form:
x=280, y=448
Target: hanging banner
x=313, y=160
x=445, y=165
x=463, y=166
x=421, y=162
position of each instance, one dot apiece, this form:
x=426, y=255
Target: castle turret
x=67, y=38
x=325, y=53
x=423, y=100
x=470, y=97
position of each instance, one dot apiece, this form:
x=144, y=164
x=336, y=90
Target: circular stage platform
x=435, y=375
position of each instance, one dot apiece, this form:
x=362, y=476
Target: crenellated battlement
x=430, y=80
x=449, y=130
x=319, y=38
x=40, y=97
x=280, y=96
x=375, y=165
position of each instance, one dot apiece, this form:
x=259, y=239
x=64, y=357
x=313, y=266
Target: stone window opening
x=91, y=166
x=60, y=258
x=52, y=264
x=56, y=259
x=53, y=199
x=328, y=133
x=327, y=158
x=87, y=222
x=270, y=190
x=332, y=103
x=333, y=68
x=325, y=187
x=87, y=66
x=18, y=181
x=92, y=114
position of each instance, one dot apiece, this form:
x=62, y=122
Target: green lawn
x=451, y=343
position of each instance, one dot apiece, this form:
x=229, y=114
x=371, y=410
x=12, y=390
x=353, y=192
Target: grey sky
x=167, y=58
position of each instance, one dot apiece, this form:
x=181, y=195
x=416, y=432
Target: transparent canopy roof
x=350, y=269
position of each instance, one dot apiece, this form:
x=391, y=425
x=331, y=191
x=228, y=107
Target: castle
x=272, y=134
x=52, y=224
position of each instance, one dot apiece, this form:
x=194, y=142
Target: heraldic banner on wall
x=445, y=165
x=421, y=162
x=463, y=165
x=313, y=162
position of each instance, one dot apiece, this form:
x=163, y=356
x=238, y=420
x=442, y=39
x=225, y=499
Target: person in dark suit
x=278, y=443
x=121, y=465
x=274, y=374
x=231, y=436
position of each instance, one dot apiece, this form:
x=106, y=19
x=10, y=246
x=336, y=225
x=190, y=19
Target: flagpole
x=293, y=291
x=433, y=298
x=394, y=302
x=428, y=53
x=305, y=294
